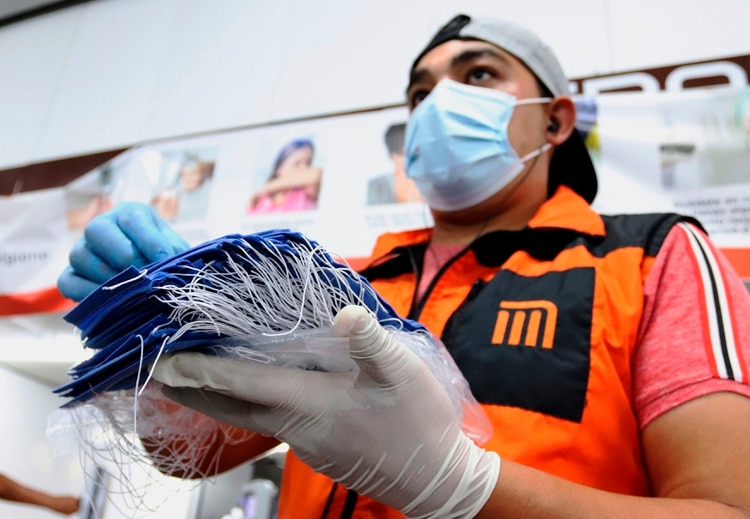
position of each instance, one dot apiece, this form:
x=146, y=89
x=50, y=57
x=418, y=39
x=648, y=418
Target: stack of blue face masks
x=232, y=290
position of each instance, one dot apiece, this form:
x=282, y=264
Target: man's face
x=485, y=65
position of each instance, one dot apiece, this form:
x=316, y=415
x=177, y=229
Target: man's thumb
x=371, y=346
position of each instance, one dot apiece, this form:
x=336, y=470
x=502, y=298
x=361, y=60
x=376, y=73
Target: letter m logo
x=525, y=323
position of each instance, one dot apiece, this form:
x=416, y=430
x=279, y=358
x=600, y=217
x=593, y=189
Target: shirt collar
x=565, y=210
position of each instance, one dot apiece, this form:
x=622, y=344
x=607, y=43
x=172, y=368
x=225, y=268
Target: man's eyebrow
x=471, y=54
x=463, y=58
x=415, y=76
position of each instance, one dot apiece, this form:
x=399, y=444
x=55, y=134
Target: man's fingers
x=88, y=265
x=73, y=286
x=191, y=370
x=153, y=237
x=263, y=384
x=260, y=397
x=220, y=407
x=132, y=234
x=104, y=238
x=373, y=348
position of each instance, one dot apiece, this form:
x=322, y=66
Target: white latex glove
x=388, y=431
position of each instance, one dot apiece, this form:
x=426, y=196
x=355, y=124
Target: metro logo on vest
x=519, y=328
x=526, y=323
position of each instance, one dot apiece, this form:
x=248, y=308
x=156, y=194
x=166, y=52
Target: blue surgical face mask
x=457, y=147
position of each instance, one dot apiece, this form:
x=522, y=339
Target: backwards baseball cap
x=571, y=163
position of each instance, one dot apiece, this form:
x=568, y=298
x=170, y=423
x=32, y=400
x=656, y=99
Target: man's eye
x=479, y=74
x=417, y=97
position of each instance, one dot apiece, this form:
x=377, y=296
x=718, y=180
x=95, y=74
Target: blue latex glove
x=129, y=234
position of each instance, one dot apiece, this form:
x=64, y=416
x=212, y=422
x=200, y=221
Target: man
x=609, y=352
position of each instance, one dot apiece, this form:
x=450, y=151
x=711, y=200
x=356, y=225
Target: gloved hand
x=388, y=430
x=129, y=234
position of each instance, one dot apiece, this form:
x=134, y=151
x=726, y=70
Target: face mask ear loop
x=533, y=100
x=544, y=147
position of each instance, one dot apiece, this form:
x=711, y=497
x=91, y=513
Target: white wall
x=114, y=73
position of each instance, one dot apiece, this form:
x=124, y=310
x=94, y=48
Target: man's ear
x=562, y=118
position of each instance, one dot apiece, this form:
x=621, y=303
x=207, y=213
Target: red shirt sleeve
x=694, y=337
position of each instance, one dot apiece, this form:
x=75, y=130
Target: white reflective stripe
x=723, y=341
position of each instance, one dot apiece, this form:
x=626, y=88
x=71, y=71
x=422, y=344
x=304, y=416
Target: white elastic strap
x=532, y=100
x=536, y=152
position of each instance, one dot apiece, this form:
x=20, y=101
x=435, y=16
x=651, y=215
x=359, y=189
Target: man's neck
x=463, y=229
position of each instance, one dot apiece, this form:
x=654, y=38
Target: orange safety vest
x=543, y=324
